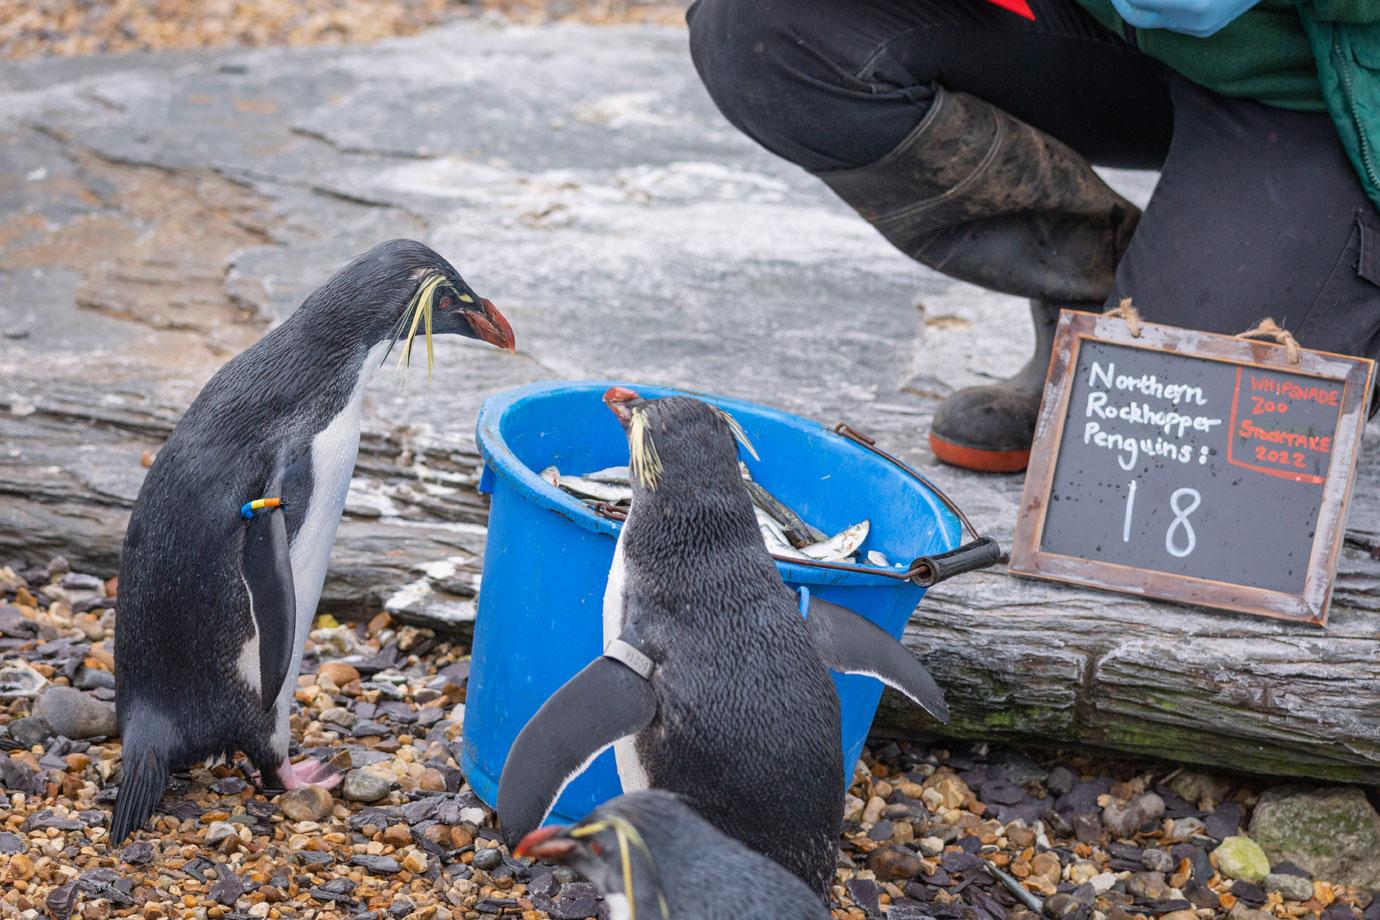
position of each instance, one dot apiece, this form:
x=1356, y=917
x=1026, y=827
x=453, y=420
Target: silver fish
x=841, y=545
x=878, y=559
x=617, y=475
x=603, y=491
x=551, y=475
x=773, y=536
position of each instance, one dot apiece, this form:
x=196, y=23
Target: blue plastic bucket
x=540, y=616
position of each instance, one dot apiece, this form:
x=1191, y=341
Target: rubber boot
x=981, y=196
x=989, y=428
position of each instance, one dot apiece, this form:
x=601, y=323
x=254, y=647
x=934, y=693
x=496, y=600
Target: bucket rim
x=500, y=459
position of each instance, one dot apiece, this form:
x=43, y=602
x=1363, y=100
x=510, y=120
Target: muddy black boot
x=983, y=197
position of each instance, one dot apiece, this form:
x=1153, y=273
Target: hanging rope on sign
x=1129, y=314
x=1267, y=328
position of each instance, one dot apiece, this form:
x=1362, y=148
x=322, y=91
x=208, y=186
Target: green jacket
x=1308, y=55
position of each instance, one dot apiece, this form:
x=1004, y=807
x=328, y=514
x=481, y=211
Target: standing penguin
x=653, y=858
x=711, y=684
x=227, y=546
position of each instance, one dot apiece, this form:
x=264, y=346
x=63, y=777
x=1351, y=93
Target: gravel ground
x=61, y=28
x=403, y=835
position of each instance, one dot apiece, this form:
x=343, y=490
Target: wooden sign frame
x=1356, y=375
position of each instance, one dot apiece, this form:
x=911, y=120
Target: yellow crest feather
x=626, y=834
x=420, y=309
x=643, y=461
x=739, y=434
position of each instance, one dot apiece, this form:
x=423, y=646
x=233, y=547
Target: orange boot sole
x=976, y=458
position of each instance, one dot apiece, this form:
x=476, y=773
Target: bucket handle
x=925, y=571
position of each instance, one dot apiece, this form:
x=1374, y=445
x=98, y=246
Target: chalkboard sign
x=1194, y=467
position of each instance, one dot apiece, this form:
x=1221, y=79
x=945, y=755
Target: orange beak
x=490, y=325
x=546, y=843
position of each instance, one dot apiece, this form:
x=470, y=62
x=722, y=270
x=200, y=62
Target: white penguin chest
x=334, y=450
x=613, y=594
x=632, y=774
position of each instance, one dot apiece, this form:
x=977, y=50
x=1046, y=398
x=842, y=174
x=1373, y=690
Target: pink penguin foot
x=307, y=773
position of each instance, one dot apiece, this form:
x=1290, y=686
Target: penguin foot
x=307, y=773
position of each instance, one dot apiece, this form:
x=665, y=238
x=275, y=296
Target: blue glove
x=1191, y=17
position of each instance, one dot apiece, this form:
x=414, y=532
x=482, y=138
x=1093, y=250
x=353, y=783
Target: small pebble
x=1123, y=819
x=891, y=862
x=338, y=672
x=378, y=865
x=1184, y=828
x=486, y=859
x=30, y=731
x=309, y=803
x=931, y=846
x=93, y=678
x=1292, y=887
x=365, y=785
x=1242, y=858
x=1157, y=861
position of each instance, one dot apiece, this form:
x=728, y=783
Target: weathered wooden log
x=1021, y=660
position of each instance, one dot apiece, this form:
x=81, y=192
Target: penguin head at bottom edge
x=608, y=850
x=677, y=443
x=401, y=289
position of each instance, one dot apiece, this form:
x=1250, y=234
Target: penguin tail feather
x=144, y=775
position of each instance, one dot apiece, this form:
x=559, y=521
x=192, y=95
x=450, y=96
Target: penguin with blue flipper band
x=712, y=685
x=216, y=598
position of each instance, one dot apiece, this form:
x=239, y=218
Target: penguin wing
x=604, y=702
x=852, y=645
x=267, y=572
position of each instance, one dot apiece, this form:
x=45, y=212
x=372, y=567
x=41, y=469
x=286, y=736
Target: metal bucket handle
x=978, y=553
x=925, y=571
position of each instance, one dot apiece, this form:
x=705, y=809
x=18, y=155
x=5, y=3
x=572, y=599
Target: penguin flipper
x=604, y=702
x=851, y=644
x=267, y=572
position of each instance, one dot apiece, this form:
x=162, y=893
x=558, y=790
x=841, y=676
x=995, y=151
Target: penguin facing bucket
x=711, y=684
x=226, y=551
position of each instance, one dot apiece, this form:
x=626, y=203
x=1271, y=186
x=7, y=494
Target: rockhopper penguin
x=653, y=858
x=227, y=546
x=711, y=685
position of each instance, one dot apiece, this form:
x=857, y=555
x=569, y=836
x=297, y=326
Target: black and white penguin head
x=617, y=847
x=677, y=443
x=401, y=289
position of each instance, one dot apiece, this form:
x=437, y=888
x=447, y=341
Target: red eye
x=598, y=850
x=447, y=303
